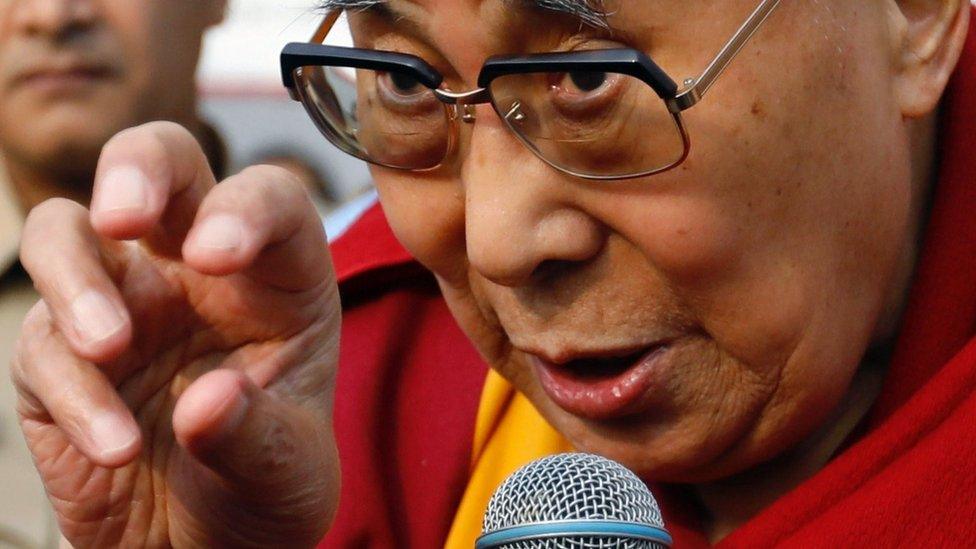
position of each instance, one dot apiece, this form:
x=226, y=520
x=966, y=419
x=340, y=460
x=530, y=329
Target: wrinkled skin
x=200, y=415
x=768, y=263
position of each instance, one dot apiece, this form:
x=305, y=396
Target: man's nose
x=521, y=215
x=51, y=17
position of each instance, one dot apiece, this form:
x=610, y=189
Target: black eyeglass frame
x=626, y=61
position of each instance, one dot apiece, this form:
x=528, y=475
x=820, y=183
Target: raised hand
x=176, y=379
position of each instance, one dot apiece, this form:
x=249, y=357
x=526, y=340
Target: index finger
x=149, y=183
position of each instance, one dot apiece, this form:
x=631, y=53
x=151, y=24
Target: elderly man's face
x=74, y=72
x=702, y=320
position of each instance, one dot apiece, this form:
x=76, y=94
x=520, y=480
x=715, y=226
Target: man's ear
x=927, y=39
x=216, y=10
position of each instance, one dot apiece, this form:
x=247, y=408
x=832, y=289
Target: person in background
x=72, y=74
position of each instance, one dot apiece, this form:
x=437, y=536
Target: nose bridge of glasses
x=464, y=102
x=477, y=96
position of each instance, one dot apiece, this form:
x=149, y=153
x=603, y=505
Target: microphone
x=573, y=501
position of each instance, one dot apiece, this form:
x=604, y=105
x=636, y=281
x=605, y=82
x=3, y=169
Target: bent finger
x=263, y=222
x=74, y=393
x=61, y=253
x=149, y=183
x=264, y=449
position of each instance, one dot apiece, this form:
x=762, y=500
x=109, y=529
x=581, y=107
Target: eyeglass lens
x=590, y=122
x=585, y=122
x=383, y=117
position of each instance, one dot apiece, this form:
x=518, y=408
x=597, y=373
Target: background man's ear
x=927, y=39
x=216, y=10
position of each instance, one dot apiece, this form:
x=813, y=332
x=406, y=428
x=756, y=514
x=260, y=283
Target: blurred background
x=242, y=95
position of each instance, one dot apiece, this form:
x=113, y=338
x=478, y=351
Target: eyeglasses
x=597, y=114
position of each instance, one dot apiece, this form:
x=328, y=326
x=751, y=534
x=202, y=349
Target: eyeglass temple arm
x=696, y=89
x=321, y=32
x=327, y=23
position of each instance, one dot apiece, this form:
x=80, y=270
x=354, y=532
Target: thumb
x=272, y=460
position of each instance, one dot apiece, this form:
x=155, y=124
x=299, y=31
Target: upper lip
x=565, y=356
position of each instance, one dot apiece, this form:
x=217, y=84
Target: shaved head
x=757, y=275
x=590, y=12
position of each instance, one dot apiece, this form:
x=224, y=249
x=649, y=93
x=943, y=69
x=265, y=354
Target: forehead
x=463, y=33
x=503, y=23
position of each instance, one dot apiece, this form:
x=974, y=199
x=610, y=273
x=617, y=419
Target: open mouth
x=603, y=387
x=594, y=369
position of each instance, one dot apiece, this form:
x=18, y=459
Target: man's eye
x=579, y=83
x=403, y=94
x=402, y=84
x=586, y=81
x=585, y=92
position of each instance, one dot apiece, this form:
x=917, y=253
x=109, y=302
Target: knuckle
x=140, y=141
x=278, y=181
x=274, y=186
x=35, y=331
x=42, y=224
x=153, y=133
x=159, y=148
x=52, y=209
x=165, y=127
x=27, y=402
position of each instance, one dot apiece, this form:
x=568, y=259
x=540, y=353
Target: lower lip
x=602, y=397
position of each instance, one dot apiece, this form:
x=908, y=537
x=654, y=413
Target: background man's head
x=75, y=72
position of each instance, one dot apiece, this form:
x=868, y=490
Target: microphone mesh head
x=573, y=487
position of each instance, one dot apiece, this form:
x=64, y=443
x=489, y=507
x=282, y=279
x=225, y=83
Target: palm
x=185, y=324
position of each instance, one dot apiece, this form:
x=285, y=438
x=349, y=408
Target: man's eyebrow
x=590, y=12
x=348, y=4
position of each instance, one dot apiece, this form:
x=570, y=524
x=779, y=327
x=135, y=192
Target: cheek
x=687, y=237
x=427, y=216
x=721, y=254
x=156, y=44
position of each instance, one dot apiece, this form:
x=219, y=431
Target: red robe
x=410, y=381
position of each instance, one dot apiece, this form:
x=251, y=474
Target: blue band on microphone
x=575, y=528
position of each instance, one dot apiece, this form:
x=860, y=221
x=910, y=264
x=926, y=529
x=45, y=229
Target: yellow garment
x=509, y=433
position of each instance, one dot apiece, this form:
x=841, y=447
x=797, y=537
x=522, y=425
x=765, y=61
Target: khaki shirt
x=26, y=519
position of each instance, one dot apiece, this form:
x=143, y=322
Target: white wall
x=243, y=96
x=243, y=52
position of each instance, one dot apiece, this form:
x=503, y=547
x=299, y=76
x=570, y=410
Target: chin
x=688, y=447
x=65, y=144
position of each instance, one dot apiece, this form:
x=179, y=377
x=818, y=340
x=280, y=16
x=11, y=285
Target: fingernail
x=96, y=319
x=220, y=232
x=111, y=434
x=122, y=188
